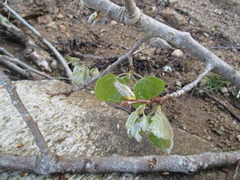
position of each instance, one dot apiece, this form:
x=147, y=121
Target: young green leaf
x=134, y=131
x=78, y=69
x=105, y=89
x=134, y=116
x=164, y=144
x=160, y=125
x=72, y=60
x=161, y=129
x=144, y=125
x=95, y=72
x=124, y=90
x=148, y=87
x=78, y=77
x=124, y=80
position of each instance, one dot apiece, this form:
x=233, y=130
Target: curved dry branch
x=181, y=40
x=130, y=7
x=189, y=86
x=169, y=163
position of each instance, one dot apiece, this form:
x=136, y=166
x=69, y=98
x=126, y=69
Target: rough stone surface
x=81, y=125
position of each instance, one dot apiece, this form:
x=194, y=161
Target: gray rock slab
x=81, y=125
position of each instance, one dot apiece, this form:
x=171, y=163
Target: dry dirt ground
x=212, y=24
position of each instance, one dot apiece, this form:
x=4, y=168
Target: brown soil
x=208, y=22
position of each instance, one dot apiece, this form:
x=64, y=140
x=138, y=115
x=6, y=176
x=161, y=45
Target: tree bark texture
x=170, y=163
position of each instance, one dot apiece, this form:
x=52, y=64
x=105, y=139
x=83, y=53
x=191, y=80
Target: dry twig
x=41, y=38
x=221, y=104
x=5, y=60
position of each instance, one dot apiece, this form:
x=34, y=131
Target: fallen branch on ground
x=24, y=70
x=170, y=163
x=220, y=103
x=41, y=38
x=32, y=51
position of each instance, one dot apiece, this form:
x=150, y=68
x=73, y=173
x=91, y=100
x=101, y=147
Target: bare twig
x=13, y=67
x=120, y=59
x=80, y=55
x=41, y=38
x=7, y=84
x=28, y=68
x=160, y=100
x=223, y=47
x=236, y=174
x=5, y=52
x=189, y=86
x=11, y=58
x=32, y=51
x=221, y=104
x=170, y=163
x=118, y=107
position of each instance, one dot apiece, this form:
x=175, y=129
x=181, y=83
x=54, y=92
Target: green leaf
x=134, y=123
x=148, y=87
x=160, y=125
x=124, y=90
x=78, y=69
x=144, y=125
x=80, y=78
x=105, y=90
x=124, y=80
x=161, y=131
x=77, y=77
x=135, y=115
x=95, y=72
x=163, y=144
x=72, y=60
x=134, y=131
